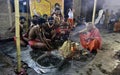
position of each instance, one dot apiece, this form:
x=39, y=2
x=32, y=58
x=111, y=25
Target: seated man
x=90, y=38
x=23, y=40
x=33, y=23
x=37, y=40
x=45, y=16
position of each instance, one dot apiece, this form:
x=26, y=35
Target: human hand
x=91, y=38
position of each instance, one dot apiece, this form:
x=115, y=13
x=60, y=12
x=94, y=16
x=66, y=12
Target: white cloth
x=70, y=14
x=99, y=16
x=102, y=19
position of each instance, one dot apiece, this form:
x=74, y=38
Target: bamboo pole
x=94, y=11
x=17, y=27
x=30, y=4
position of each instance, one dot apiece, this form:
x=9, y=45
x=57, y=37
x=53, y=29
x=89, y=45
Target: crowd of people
x=45, y=32
x=110, y=20
x=49, y=32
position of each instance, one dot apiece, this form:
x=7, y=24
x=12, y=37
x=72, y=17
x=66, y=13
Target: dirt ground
x=104, y=63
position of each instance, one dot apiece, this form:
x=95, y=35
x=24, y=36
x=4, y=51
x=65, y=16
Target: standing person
x=107, y=17
x=118, y=14
x=70, y=18
x=112, y=21
x=102, y=21
x=56, y=6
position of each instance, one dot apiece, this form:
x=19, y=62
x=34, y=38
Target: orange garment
x=117, y=27
x=70, y=20
x=92, y=44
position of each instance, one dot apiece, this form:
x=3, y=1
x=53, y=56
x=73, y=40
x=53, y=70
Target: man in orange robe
x=91, y=39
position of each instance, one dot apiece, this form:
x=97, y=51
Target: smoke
x=112, y=5
x=87, y=8
x=88, y=5
x=75, y=34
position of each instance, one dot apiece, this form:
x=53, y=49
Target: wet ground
x=104, y=63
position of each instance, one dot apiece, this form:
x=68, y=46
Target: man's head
x=90, y=26
x=57, y=5
x=35, y=16
x=57, y=10
x=51, y=20
x=34, y=21
x=22, y=20
x=45, y=16
x=70, y=9
x=41, y=22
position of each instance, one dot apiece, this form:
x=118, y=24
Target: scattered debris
x=117, y=41
x=116, y=71
x=117, y=55
x=101, y=69
x=89, y=72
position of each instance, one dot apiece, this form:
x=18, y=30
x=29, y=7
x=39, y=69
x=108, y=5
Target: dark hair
x=41, y=21
x=22, y=18
x=57, y=4
x=45, y=15
x=35, y=21
x=71, y=9
x=50, y=18
x=35, y=16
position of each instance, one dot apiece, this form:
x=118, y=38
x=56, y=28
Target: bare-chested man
x=37, y=39
x=23, y=40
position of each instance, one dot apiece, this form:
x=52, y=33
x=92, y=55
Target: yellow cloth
x=66, y=48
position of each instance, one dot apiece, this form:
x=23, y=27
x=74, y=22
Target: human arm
x=32, y=33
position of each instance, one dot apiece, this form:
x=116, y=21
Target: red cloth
x=93, y=44
x=58, y=30
x=33, y=42
x=71, y=22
